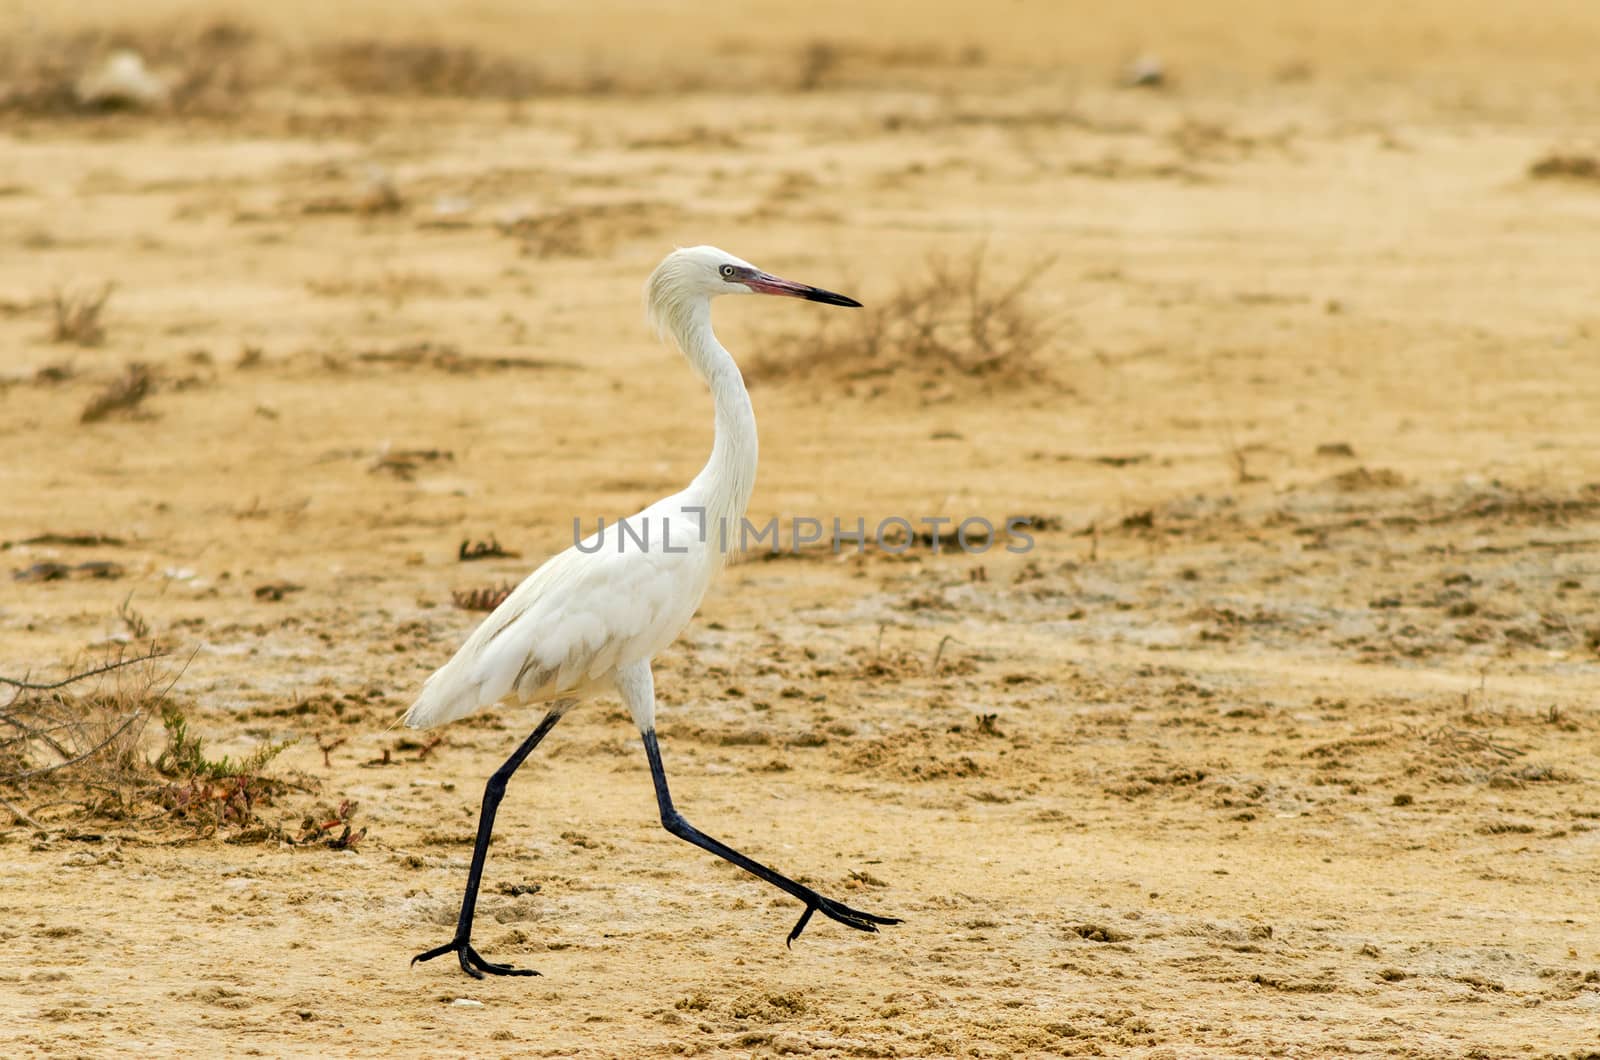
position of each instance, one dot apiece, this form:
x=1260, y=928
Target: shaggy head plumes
x=686, y=278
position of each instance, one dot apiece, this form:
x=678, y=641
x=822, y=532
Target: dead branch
x=155, y=652
x=90, y=753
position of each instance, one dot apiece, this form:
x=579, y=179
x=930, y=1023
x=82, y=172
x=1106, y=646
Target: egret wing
x=566, y=627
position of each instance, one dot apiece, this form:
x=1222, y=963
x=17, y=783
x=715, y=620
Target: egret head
x=692, y=275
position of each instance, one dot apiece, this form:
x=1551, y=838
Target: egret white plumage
x=590, y=620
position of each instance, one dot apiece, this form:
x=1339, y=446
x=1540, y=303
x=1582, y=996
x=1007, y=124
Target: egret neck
x=725, y=483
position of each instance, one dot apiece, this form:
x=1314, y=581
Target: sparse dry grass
x=219, y=67
x=589, y=230
x=425, y=68
x=954, y=326
x=823, y=63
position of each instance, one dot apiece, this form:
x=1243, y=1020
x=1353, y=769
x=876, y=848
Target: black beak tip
x=829, y=298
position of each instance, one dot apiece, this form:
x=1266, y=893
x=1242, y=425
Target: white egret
x=590, y=620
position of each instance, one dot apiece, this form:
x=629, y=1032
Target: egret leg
x=471, y=963
x=673, y=821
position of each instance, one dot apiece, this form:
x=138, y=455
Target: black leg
x=493, y=792
x=815, y=903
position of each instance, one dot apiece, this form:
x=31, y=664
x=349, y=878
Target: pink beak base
x=763, y=283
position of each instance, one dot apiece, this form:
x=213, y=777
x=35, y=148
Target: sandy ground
x=1280, y=742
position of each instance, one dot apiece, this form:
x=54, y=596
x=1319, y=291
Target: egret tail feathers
x=441, y=700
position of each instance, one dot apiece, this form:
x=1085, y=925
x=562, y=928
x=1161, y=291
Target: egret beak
x=764, y=283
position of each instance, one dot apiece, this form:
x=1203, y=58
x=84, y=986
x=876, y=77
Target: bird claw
x=471, y=961
x=854, y=918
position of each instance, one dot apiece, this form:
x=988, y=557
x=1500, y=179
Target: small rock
x=121, y=81
x=1146, y=71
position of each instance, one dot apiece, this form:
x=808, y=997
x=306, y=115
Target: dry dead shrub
x=123, y=394
x=953, y=328
x=70, y=750
x=77, y=738
x=77, y=315
x=818, y=58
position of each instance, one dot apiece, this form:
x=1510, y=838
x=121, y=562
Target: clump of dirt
x=1148, y=782
x=768, y=1007
x=1096, y=932
x=958, y=752
x=54, y=572
x=1557, y=166
x=1360, y=479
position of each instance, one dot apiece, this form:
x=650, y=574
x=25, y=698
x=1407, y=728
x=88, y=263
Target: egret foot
x=837, y=911
x=471, y=963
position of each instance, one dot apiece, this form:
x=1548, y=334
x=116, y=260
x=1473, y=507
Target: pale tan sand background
x=1293, y=734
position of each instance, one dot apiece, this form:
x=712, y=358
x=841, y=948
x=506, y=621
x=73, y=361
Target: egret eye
x=727, y=271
